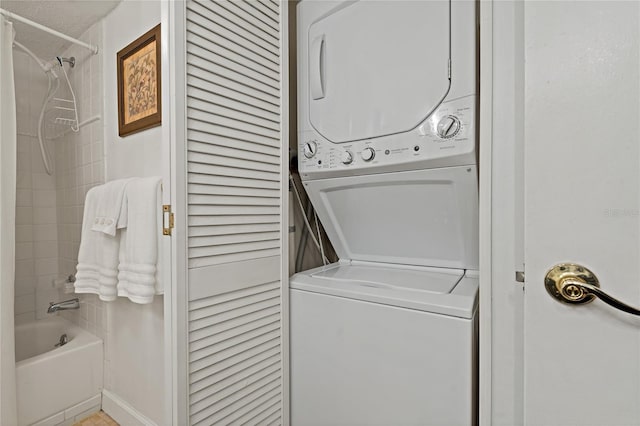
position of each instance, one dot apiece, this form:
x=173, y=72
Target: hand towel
x=97, y=269
x=111, y=208
x=138, y=255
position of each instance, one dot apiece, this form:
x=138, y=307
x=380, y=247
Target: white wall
x=134, y=368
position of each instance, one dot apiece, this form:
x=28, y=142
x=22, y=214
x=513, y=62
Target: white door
x=582, y=187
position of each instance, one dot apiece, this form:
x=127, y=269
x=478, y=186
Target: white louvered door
x=234, y=303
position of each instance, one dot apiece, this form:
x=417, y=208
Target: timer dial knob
x=310, y=149
x=347, y=157
x=368, y=154
x=448, y=126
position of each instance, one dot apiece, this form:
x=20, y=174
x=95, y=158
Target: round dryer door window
x=377, y=67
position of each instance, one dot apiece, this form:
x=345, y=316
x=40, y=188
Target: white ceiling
x=71, y=17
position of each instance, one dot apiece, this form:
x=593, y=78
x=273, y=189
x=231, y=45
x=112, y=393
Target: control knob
x=310, y=149
x=448, y=127
x=347, y=157
x=368, y=154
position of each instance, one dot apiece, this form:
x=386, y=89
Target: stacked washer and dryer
x=387, y=94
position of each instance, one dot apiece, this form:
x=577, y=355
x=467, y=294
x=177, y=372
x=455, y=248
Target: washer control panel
x=446, y=138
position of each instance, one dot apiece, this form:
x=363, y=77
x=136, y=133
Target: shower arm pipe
x=13, y=16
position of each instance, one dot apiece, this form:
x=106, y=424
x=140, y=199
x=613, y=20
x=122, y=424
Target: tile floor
x=98, y=419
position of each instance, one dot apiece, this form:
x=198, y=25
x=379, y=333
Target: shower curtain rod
x=58, y=34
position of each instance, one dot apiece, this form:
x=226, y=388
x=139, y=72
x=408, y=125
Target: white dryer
x=387, y=153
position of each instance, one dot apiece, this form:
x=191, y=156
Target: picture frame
x=139, y=84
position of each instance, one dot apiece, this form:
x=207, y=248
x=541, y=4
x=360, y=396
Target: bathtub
x=56, y=384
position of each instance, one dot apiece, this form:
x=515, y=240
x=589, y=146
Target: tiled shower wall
x=36, y=215
x=80, y=166
x=49, y=208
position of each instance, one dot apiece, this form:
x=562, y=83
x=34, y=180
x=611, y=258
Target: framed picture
x=139, y=101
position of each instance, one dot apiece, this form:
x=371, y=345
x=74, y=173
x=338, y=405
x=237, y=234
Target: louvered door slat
x=206, y=104
x=197, y=137
x=231, y=220
x=244, y=401
x=232, y=59
x=246, y=173
x=232, y=200
x=202, y=124
x=197, y=112
x=243, y=24
x=254, y=322
x=215, y=36
x=198, y=89
x=215, y=88
x=238, y=30
x=275, y=8
x=266, y=11
x=233, y=239
x=232, y=352
x=255, y=14
x=232, y=373
x=234, y=206
x=195, y=188
x=256, y=369
x=214, y=58
x=227, y=87
x=238, y=256
x=232, y=152
x=231, y=181
x=268, y=332
x=233, y=229
x=202, y=58
x=257, y=379
x=260, y=309
x=267, y=349
x=262, y=414
x=234, y=161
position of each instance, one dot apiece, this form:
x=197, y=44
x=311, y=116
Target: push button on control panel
x=368, y=154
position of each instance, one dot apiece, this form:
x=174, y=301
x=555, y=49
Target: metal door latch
x=168, y=220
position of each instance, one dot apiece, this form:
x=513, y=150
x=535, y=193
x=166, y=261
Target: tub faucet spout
x=63, y=306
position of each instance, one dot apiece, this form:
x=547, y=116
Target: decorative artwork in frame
x=139, y=101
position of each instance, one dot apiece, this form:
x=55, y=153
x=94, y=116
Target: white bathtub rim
x=80, y=338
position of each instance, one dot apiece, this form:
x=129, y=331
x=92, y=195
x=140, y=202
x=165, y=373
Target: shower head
x=71, y=61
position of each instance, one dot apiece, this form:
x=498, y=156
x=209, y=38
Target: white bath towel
x=139, y=241
x=98, y=254
x=111, y=208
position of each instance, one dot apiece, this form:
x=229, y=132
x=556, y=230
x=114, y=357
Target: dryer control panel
x=446, y=138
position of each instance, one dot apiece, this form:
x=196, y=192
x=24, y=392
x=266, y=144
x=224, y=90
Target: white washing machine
x=387, y=153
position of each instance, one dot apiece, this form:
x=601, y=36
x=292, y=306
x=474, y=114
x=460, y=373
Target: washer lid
x=441, y=291
x=377, y=67
x=406, y=279
x=419, y=217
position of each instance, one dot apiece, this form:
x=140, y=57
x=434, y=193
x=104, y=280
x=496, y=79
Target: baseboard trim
x=123, y=413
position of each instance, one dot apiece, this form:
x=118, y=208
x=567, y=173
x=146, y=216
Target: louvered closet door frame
x=229, y=338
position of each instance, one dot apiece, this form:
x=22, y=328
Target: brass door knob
x=576, y=285
x=564, y=283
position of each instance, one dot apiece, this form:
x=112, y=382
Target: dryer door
x=377, y=67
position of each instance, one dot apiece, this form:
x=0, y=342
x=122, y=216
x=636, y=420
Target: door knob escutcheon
x=564, y=282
